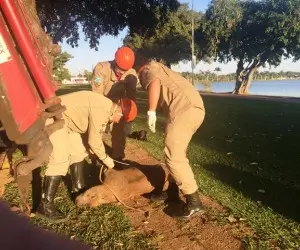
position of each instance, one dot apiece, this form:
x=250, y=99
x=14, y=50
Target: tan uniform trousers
x=68, y=148
x=179, y=132
x=118, y=139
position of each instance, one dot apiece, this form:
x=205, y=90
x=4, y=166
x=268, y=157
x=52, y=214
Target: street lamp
x=193, y=45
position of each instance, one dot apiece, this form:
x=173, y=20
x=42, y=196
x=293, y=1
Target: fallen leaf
x=261, y=191
x=229, y=153
x=242, y=219
x=253, y=163
x=72, y=237
x=231, y=219
x=145, y=222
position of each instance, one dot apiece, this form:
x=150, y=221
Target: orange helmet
x=129, y=109
x=124, y=58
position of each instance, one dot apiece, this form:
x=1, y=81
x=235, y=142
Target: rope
x=118, y=199
x=116, y=196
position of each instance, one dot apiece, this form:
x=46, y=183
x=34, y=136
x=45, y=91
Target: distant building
x=76, y=80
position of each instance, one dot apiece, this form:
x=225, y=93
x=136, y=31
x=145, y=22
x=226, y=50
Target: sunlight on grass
x=104, y=227
x=246, y=157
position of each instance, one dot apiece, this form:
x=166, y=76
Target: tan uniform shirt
x=90, y=112
x=105, y=81
x=177, y=93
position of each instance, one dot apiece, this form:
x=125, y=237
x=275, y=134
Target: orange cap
x=129, y=109
x=124, y=58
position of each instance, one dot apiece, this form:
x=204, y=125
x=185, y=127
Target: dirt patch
x=209, y=231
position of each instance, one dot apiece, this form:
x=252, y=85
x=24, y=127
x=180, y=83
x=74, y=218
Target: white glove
x=108, y=162
x=151, y=120
x=127, y=128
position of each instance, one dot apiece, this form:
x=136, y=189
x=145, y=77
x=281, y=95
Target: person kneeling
x=86, y=113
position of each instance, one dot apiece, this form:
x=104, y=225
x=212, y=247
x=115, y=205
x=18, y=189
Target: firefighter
x=86, y=113
x=117, y=79
x=185, y=112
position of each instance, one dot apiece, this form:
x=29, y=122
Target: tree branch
x=62, y=30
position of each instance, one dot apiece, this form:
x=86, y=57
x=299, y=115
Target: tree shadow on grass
x=285, y=200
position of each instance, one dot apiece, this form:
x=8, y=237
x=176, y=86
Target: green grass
x=243, y=146
x=246, y=156
x=65, y=89
x=105, y=227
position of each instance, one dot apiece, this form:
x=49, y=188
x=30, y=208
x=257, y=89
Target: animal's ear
x=143, y=135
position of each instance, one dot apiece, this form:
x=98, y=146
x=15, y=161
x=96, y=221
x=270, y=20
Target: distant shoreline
x=270, y=80
x=286, y=99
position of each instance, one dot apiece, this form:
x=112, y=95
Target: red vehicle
x=27, y=92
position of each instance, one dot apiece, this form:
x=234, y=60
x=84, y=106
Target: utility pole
x=90, y=80
x=193, y=45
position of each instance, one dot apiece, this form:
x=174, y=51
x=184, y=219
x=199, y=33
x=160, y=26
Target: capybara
x=124, y=185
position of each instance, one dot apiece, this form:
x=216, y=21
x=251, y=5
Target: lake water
x=271, y=88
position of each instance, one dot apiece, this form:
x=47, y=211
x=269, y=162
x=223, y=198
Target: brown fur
x=126, y=184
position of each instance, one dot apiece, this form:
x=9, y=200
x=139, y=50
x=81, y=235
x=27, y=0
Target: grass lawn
x=246, y=155
x=105, y=227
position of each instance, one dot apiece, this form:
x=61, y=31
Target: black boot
x=170, y=195
x=193, y=206
x=47, y=209
x=77, y=177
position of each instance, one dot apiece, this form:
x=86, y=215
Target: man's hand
x=151, y=120
x=108, y=162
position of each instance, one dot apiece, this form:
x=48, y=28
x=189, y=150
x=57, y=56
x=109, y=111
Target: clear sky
x=86, y=58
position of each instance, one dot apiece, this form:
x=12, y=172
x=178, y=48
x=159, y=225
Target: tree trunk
x=239, y=77
x=49, y=49
x=243, y=79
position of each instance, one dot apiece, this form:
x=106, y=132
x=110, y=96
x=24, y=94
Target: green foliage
x=63, y=19
x=218, y=69
x=88, y=75
x=59, y=70
x=208, y=76
x=254, y=33
x=171, y=41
